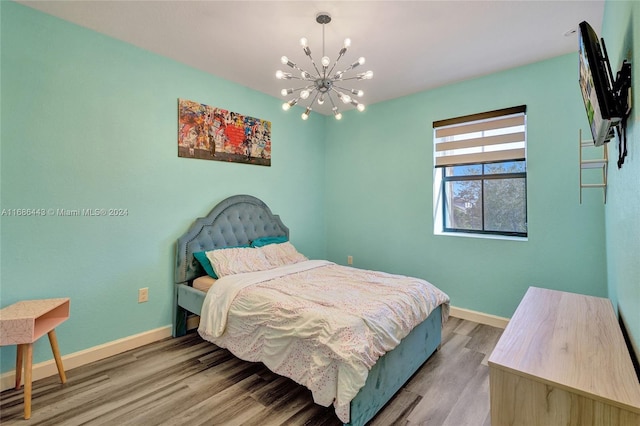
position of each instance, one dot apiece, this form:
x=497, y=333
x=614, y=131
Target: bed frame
x=240, y=219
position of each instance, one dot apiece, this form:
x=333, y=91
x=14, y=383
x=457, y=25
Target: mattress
x=203, y=283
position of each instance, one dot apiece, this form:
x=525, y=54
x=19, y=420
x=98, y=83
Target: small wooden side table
x=22, y=324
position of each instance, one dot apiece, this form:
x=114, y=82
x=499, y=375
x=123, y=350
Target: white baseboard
x=77, y=359
x=479, y=317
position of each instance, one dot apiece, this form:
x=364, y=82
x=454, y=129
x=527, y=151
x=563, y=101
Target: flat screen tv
x=596, y=86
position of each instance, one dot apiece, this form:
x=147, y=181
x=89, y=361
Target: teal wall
x=91, y=122
x=621, y=31
x=379, y=192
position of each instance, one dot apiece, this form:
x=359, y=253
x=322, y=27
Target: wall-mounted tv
x=596, y=86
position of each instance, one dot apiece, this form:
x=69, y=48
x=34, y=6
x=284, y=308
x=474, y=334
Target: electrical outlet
x=143, y=295
x=349, y=260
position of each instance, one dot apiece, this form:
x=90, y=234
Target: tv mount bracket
x=621, y=86
x=622, y=95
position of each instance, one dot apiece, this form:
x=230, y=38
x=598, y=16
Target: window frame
x=444, y=159
x=482, y=178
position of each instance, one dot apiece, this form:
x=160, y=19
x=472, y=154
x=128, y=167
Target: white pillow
x=282, y=254
x=237, y=260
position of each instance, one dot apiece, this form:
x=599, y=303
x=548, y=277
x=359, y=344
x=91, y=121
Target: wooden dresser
x=562, y=360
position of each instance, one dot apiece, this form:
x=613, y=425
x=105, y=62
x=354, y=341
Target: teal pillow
x=201, y=256
x=263, y=241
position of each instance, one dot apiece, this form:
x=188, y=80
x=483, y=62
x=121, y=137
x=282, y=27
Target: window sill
x=483, y=236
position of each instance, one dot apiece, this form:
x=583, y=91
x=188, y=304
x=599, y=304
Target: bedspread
x=318, y=323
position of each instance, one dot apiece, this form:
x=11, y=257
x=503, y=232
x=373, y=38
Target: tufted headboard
x=235, y=221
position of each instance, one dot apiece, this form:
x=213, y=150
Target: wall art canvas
x=211, y=133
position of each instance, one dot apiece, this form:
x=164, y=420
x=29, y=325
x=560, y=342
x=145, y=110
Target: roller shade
x=481, y=138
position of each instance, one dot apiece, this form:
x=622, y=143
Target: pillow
x=282, y=254
x=201, y=256
x=237, y=260
x=263, y=241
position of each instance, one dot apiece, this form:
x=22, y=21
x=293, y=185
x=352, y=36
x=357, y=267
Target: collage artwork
x=211, y=133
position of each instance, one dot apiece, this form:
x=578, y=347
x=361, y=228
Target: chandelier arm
x=331, y=100
x=300, y=69
x=349, y=68
x=341, y=73
x=313, y=89
x=315, y=97
x=355, y=77
x=352, y=91
x=340, y=95
x=307, y=73
x=315, y=66
x=297, y=89
x=340, y=54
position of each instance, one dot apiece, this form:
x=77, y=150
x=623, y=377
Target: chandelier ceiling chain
x=323, y=85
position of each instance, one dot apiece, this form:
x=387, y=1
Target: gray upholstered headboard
x=236, y=221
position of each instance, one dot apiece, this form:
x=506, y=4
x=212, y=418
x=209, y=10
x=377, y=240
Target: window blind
x=481, y=138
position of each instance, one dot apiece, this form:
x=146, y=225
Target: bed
x=239, y=221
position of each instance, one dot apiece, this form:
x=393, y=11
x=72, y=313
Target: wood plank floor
x=188, y=381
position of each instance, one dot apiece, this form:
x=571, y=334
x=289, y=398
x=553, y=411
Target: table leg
x=56, y=355
x=19, y=358
x=27, y=380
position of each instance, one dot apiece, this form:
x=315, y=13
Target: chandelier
x=323, y=84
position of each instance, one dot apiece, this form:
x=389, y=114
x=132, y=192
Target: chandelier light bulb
x=284, y=60
x=304, y=42
x=357, y=63
x=338, y=116
x=321, y=99
x=287, y=105
x=304, y=94
x=347, y=42
x=365, y=75
x=325, y=61
x=359, y=106
x=281, y=75
x=305, y=75
x=285, y=92
x=305, y=114
x=344, y=98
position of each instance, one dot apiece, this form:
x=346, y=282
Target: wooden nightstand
x=25, y=322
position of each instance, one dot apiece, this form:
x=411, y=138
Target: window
x=480, y=177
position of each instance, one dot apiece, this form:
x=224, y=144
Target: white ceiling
x=411, y=46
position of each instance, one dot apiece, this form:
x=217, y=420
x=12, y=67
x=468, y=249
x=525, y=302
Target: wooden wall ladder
x=590, y=164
